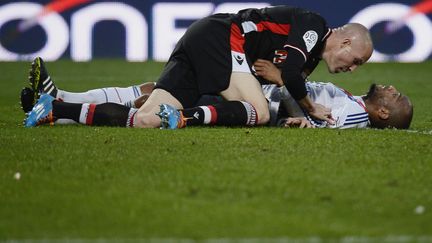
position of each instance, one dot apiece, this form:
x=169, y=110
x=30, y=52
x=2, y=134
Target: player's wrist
x=307, y=104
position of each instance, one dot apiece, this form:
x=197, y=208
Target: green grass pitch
x=230, y=184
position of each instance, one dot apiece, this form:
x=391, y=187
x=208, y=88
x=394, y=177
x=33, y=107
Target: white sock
x=104, y=95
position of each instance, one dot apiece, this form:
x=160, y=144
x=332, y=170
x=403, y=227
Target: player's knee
x=146, y=120
x=263, y=115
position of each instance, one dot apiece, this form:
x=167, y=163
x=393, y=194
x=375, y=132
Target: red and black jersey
x=292, y=38
x=214, y=47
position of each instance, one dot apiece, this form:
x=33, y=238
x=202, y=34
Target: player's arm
x=295, y=85
x=306, y=34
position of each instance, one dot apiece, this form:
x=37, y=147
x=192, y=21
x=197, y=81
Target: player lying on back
x=381, y=107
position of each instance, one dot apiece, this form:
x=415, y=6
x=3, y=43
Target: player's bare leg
x=146, y=116
x=245, y=87
x=245, y=105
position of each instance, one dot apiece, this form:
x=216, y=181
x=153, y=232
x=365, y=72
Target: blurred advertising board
x=148, y=30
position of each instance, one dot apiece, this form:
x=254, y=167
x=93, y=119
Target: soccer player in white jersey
x=381, y=107
x=348, y=111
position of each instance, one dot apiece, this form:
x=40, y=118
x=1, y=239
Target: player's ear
x=383, y=113
x=345, y=42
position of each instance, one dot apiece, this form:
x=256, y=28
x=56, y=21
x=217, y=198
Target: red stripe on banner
x=282, y=29
x=423, y=7
x=236, y=39
x=90, y=114
x=213, y=113
x=62, y=5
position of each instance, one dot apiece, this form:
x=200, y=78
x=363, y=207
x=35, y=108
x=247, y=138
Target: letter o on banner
x=419, y=24
x=54, y=25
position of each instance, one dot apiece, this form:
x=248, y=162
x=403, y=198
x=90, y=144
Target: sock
x=64, y=110
x=104, y=95
x=107, y=114
x=110, y=114
x=226, y=113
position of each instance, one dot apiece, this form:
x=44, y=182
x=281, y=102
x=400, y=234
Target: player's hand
x=268, y=71
x=299, y=122
x=138, y=102
x=322, y=113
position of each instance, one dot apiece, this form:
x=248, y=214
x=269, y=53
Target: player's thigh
x=146, y=116
x=245, y=87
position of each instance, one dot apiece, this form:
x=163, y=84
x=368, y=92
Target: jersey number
x=280, y=56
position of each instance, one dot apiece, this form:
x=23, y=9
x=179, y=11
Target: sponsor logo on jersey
x=239, y=59
x=310, y=38
x=239, y=62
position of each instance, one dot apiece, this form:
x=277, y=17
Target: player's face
x=348, y=57
x=386, y=95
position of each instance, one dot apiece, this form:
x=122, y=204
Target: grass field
x=214, y=184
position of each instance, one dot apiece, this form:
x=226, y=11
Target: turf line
x=346, y=239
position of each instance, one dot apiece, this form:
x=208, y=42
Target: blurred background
x=137, y=30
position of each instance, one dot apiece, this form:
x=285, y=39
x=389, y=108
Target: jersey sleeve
x=292, y=75
x=307, y=31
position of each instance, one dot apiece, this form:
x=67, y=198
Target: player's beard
x=371, y=91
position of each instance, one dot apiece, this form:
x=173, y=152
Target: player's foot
x=41, y=112
x=40, y=80
x=171, y=118
x=27, y=99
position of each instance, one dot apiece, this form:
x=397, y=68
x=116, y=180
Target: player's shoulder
x=313, y=25
x=290, y=10
x=295, y=14
x=308, y=15
x=309, y=31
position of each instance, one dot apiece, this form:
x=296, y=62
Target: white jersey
x=348, y=111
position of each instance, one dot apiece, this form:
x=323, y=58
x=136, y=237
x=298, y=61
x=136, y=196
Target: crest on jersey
x=310, y=38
